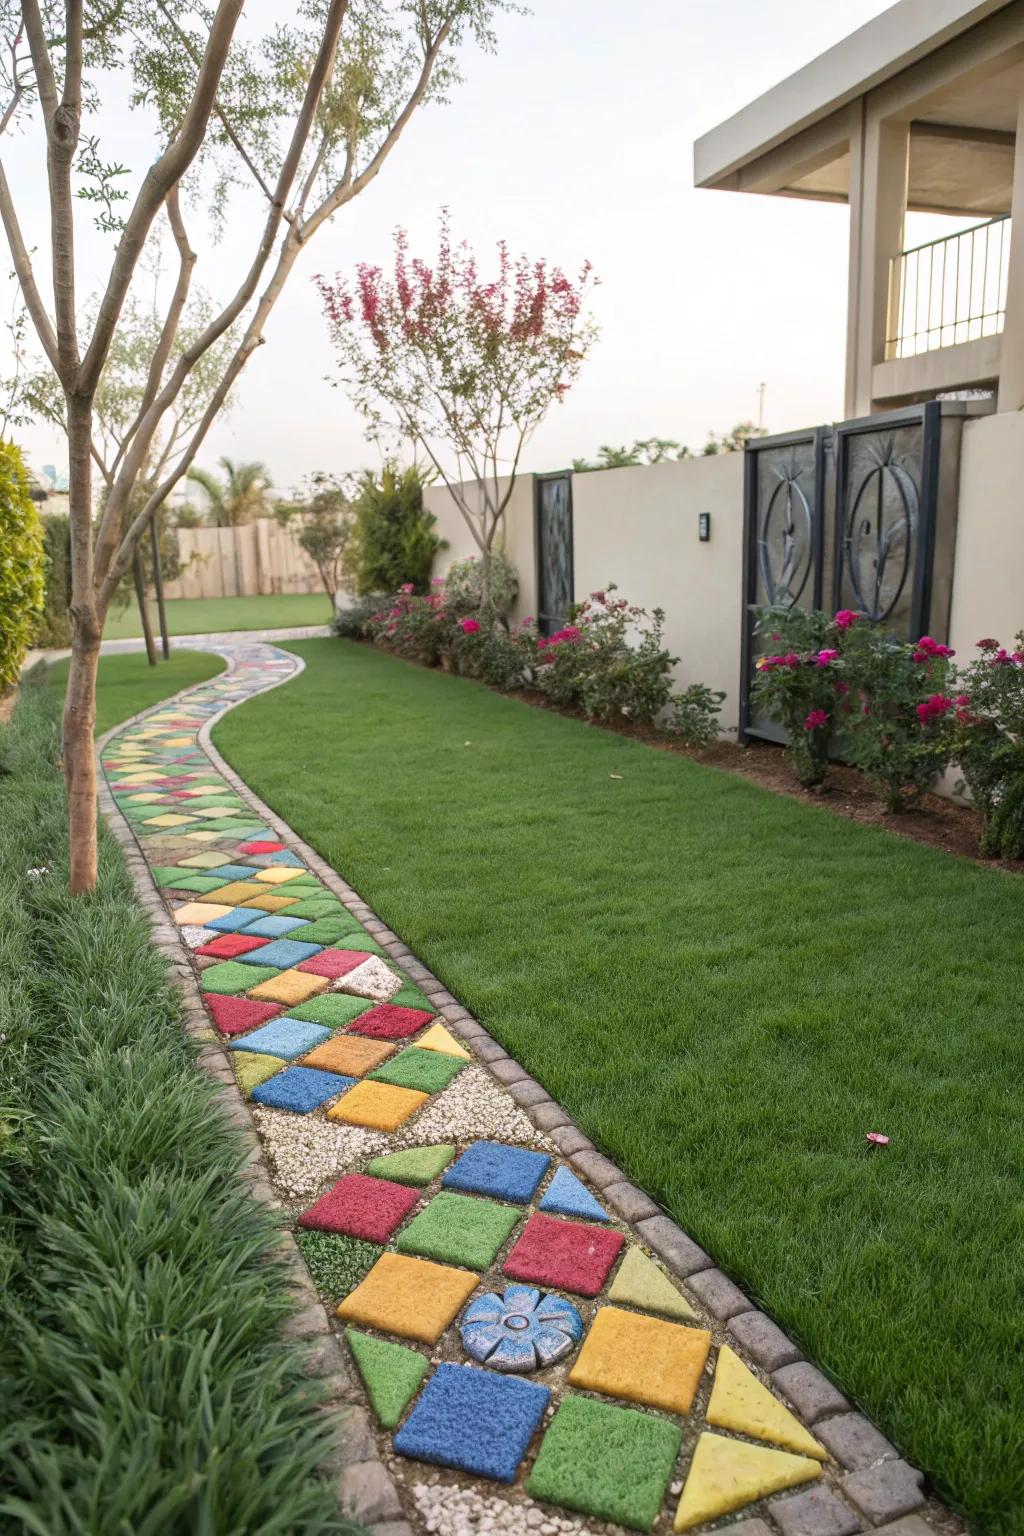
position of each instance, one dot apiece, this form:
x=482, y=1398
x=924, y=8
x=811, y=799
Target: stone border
x=884, y=1490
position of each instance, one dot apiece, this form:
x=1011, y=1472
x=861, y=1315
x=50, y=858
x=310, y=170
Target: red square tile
x=234, y=1015
x=362, y=1207
x=565, y=1255
x=333, y=962
x=227, y=945
x=386, y=1022
x=260, y=847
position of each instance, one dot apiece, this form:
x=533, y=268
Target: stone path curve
x=534, y=1346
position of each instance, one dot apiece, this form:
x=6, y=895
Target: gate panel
x=554, y=555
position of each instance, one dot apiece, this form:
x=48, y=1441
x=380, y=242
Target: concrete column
x=1011, y=370
x=879, y=182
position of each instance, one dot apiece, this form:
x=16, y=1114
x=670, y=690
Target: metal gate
x=553, y=548
x=861, y=515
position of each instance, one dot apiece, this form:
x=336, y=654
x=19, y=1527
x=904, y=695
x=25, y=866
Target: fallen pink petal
x=877, y=1139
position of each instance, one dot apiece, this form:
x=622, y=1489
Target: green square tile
x=459, y=1229
x=203, y=861
x=335, y=1009
x=613, y=1463
x=418, y=1166
x=331, y=930
x=188, y=880
x=426, y=1071
x=222, y=824
x=231, y=978
x=317, y=906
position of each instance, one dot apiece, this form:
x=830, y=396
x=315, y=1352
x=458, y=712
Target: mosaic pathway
x=507, y=1325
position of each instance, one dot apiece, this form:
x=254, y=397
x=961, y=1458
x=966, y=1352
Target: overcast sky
x=575, y=140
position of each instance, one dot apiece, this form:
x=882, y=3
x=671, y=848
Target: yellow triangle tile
x=640, y=1283
x=740, y=1402
x=438, y=1039
x=726, y=1475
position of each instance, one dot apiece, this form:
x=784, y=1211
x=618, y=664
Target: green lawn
x=128, y=684
x=215, y=615
x=145, y=1384
x=727, y=989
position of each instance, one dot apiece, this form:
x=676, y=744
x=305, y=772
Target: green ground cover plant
x=144, y=1385
x=217, y=615
x=728, y=989
x=128, y=684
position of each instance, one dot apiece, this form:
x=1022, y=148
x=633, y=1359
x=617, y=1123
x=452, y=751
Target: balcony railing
x=949, y=291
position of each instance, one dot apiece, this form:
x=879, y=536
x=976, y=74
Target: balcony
x=949, y=292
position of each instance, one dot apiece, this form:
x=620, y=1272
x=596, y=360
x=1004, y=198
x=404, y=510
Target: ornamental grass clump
x=900, y=729
x=989, y=744
x=800, y=686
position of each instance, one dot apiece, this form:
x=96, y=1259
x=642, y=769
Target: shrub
x=353, y=622
x=799, y=685
x=464, y=585
x=494, y=654
x=53, y=630
x=592, y=665
x=900, y=732
x=989, y=744
x=694, y=715
x=22, y=565
x=393, y=541
x=419, y=628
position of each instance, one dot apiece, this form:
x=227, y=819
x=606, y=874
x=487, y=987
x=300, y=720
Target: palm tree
x=239, y=498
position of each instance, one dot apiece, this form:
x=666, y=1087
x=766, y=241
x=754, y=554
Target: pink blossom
x=844, y=618
x=824, y=657
x=877, y=1139
x=816, y=719
x=842, y=687
x=988, y=645
x=407, y=588
x=934, y=707
x=469, y=626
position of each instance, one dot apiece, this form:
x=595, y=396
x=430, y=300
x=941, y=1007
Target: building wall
x=988, y=580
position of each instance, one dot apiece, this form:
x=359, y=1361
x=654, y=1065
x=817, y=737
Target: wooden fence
x=252, y=560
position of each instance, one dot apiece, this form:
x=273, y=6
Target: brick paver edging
x=884, y=1490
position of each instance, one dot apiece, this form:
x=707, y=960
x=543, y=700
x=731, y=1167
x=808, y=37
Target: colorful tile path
x=508, y=1328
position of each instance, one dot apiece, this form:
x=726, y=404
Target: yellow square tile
x=136, y=778
x=271, y=903
x=177, y=741
x=351, y=1055
x=202, y=837
x=235, y=892
x=641, y=1359
x=276, y=875
x=381, y=1106
x=290, y=988
x=150, y=798
x=199, y=913
x=215, y=812
x=411, y=1297
x=168, y=819
x=204, y=861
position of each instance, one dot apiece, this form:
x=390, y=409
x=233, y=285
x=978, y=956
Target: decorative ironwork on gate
x=861, y=515
x=554, y=554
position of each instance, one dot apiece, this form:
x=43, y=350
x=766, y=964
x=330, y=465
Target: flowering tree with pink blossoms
x=462, y=365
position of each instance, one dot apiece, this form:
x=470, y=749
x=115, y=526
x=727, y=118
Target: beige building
x=919, y=110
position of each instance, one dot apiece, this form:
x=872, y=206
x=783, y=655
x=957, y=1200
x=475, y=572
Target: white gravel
x=372, y=979
x=472, y=1106
x=452, y=1511
x=193, y=936
x=306, y=1150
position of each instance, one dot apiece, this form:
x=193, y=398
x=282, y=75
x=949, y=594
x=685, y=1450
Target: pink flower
x=920, y=656
x=842, y=687
x=988, y=645
x=962, y=700
x=469, y=626
x=408, y=587
x=816, y=719
x=934, y=707
x=824, y=657
x=877, y=1139
x=844, y=618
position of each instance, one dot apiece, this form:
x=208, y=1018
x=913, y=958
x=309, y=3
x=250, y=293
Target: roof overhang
x=881, y=49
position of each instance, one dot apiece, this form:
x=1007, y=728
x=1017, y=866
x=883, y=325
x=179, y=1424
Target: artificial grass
x=128, y=684
x=221, y=615
x=728, y=989
x=144, y=1383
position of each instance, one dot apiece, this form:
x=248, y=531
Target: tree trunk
x=140, y=595
x=158, y=585
x=86, y=631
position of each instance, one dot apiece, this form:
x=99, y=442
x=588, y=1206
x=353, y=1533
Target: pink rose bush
x=989, y=743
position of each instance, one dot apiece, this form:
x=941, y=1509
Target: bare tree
x=304, y=116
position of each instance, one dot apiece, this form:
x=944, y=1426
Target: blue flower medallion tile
x=521, y=1330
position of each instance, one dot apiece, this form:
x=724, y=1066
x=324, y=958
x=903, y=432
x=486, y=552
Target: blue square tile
x=283, y=1037
x=276, y=925
x=234, y=871
x=473, y=1420
x=238, y=917
x=568, y=1196
x=301, y=1089
x=283, y=856
x=490, y=1168
x=285, y=952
